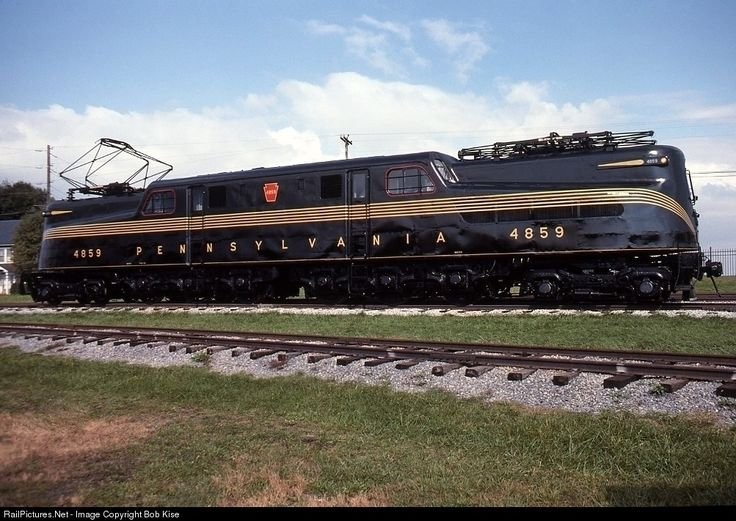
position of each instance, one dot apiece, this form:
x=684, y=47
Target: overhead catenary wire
x=715, y=172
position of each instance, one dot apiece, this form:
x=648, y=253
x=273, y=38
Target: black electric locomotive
x=559, y=218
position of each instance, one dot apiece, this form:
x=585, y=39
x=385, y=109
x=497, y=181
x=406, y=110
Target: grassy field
x=725, y=285
x=655, y=333
x=90, y=433
x=15, y=299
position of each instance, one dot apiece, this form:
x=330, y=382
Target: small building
x=7, y=268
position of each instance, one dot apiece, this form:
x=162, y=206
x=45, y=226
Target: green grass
x=656, y=333
x=725, y=285
x=15, y=299
x=186, y=436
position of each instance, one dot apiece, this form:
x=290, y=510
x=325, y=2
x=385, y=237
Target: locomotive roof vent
x=557, y=144
x=96, y=162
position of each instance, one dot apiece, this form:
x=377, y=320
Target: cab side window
x=407, y=181
x=161, y=202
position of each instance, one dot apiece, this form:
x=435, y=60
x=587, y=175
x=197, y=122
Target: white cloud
x=466, y=48
x=304, y=147
x=373, y=49
x=264, y=129
x=527, y=108
x=389, y=46
x=400, y=30
x=716, y=207
x=320, y=28
x=525, y=92
x=382, y=44
x=714, y=114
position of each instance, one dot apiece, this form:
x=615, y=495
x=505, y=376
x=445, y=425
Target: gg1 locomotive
x=554, y=218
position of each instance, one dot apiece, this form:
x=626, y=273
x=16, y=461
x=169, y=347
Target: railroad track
x=623, y=367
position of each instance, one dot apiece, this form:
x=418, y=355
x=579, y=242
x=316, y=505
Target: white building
x=7, y=268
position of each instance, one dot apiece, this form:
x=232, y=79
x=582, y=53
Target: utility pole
x=346, y=139
x=48, y=174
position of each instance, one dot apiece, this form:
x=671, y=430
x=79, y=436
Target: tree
x=22, y=200
x=27, y=241
x=19, y=198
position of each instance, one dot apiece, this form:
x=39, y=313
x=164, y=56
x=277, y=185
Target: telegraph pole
x=48, y=174
x=346, y=139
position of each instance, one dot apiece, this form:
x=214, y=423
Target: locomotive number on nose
x=89, y=253
x=541, y=232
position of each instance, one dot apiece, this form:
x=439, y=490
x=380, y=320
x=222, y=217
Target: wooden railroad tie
x=442, y=370
x=564, y=378
x=520, y=374
x=619, y=381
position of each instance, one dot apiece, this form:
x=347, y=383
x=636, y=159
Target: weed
x=657, y=389
x=727, y=403
x=202, y=357
x=617, y=396
x=419, y=380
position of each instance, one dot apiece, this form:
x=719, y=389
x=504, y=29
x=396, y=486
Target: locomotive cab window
x=444, y=171
x=160, y=203
x=407, y=181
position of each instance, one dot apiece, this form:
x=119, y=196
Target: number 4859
x=90, y=253
x=542, y=232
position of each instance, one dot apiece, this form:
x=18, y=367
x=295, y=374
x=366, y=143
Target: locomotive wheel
x=48, y=295
x=650, y=290
x=546, y=289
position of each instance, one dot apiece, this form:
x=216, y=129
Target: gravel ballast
x=367, y=311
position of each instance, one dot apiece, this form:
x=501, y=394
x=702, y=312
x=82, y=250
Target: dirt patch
x=243, y=485
x=51, y=460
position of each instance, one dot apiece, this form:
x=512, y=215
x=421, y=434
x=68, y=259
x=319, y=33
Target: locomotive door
x=196, y=201
x=359, y=213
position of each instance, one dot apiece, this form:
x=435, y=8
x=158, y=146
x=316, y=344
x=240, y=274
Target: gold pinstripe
x=384, y=210
x=620, y=164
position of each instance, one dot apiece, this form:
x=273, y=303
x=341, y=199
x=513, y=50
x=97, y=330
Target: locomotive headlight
x=664, y=160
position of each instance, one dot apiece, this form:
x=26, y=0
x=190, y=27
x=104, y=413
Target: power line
x=714, y=172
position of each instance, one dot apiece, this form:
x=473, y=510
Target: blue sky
x=152, y=55
x=223, y=85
